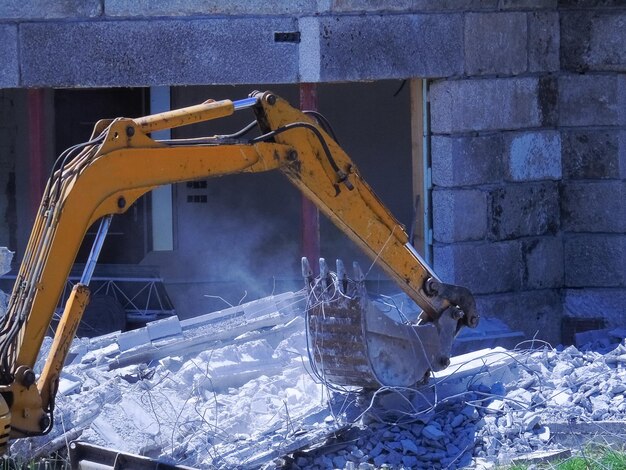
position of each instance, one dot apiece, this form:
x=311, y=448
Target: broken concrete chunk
x=457, y=421
x=409, y=446
x=6, y=256
x=496, y=406
x=562, y=369
x=433, y=432
x=519, y=399
x=164, y=328
x=543, y=433
x=560, y=397
x=470, y=411
x=133, y=339
x=498, y=389
x=531, y=420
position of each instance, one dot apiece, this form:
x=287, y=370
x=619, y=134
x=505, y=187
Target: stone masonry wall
x=529, y=165
x=527, y=104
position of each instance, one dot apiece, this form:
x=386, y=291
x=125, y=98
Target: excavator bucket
x=354, y=342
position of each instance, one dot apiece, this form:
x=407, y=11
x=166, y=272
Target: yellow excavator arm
x=107, y=174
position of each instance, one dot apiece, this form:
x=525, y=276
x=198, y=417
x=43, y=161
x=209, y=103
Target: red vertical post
x=36, y=147
x=310, y=216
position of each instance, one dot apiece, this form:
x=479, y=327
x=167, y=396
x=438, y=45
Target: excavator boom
x=121, y=162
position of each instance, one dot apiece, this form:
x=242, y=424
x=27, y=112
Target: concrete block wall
x=527, y=102
x=529, y=164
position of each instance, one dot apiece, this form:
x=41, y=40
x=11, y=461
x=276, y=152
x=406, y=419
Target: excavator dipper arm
x=120, y=163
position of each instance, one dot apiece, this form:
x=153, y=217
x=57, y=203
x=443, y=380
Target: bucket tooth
x=307, y=273
x=358, y=273
x=342, y=277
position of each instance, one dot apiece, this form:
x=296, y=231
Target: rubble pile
x=555, y=392
x=444, y=439
x=553, y=400
x=221, y=390
x=234, y=388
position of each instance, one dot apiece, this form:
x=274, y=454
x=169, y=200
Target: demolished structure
x=235, y=388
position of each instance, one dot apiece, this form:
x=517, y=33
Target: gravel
x=492, y=425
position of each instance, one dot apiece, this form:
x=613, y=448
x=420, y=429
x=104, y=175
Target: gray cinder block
x=490, y=104
x=496, y=43
x=594, y=206
x=467, y=160
x=542, y=260
x=520, y=210
x=543, y=41
x=593, y=154
x=533, y=156
x=482, y=267
x=390, y=46
x=459, y=215
x=592, y=100
x=595, y=260
x=593, y=40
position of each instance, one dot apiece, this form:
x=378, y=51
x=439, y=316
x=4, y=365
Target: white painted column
x=162, y=204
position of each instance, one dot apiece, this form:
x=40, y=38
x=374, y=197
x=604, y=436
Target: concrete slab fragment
x=164, y=328
x=486, y=367
x=542, y=457
x=133, y=339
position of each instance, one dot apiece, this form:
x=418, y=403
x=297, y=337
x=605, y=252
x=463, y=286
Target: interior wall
x=244, y=240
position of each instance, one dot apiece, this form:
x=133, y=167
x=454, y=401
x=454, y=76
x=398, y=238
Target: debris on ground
x=231, y=387
x=235, y=388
